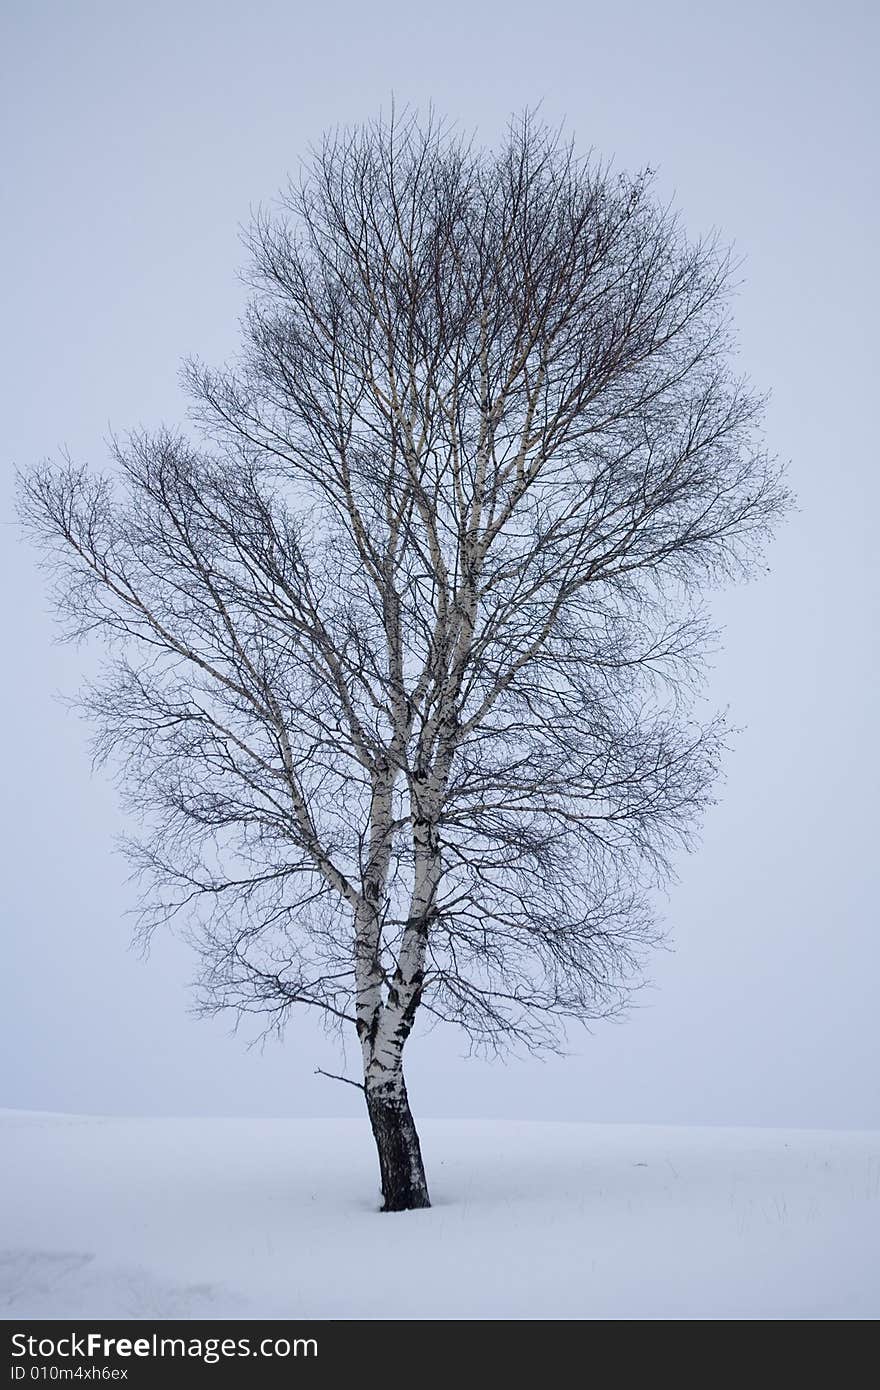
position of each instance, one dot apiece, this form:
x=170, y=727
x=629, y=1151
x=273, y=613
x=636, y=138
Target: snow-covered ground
x=262, y=1218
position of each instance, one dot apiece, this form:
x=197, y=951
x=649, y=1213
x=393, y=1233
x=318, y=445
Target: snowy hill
x=261, y=1218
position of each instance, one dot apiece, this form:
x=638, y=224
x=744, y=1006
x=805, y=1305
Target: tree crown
x=406, y=637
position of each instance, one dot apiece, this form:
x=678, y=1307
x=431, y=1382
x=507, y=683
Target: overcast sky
x=136, y=138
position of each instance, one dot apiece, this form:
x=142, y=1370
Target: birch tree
x=404, y=630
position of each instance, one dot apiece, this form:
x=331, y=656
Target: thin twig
x=333, y=1077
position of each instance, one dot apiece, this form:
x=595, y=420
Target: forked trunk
x=404, y=1187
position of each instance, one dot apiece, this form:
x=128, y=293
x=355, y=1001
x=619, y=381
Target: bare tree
x=405, y=643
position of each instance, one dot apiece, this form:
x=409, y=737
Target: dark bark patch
x=404, y=1186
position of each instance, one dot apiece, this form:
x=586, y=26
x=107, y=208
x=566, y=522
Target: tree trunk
x=404, y=1187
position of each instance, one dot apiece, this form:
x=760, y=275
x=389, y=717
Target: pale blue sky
x=135, y=139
